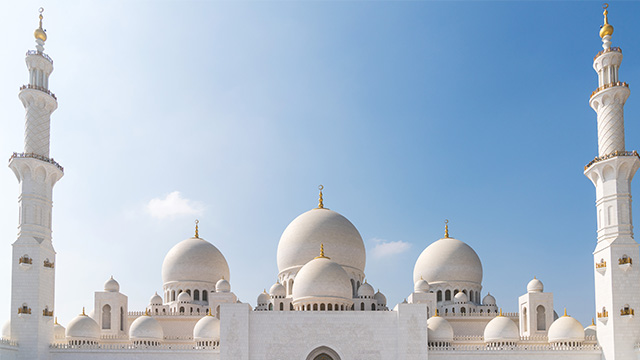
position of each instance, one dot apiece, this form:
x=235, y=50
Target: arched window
x=361, y=306
x=455, y=292
x=121, y=318
x=463, y=310
x=308, y=307
x=196, y=295
x=321, y=307
x=290, y=289
x=182, y=309
x=106, y=317
x=189, y=292
x=541, y=318
x=439, y=295
x=342, y=307
x=156, y=311
x=373, y=307
x=315, y=307
x=270, y=306
x=471, y=296
x=218, y=311
x=205, y=295
x=524, y=316
x=281, y=306
x=330, y=307
x=353, y=288
x=290, y=306
x=173, y=295
x=453, y=310
x=464, y=291
x=447, y=295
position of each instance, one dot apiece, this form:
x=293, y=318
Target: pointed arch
x=323, y=353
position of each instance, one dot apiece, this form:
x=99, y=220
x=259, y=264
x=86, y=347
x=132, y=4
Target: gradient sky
x=408, y=113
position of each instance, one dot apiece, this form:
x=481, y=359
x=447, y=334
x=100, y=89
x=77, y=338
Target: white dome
x=223, y=286
x=322, y=277
x=421, y=286
x=501, y=329
x=184, y=297
x=366, y=290
x=591, y=330
x=111, y=285
x=301, y=240
x=263, y=298
x=277, y=290
x=59, y=332
x=194, y=259
x=146, y=328
x=83, y=327
x=448, y=260
x=155, y=300
x=380, y=298
x=207, y=328
x=535, y=285
x=566, y=329
x=439, y=330
x=460, y=298
x=6, y=330
x=489, y=300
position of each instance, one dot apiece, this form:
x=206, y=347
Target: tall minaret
x=33, y=260
x=616, y=257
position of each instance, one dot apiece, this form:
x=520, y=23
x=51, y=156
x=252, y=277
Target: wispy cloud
x=173, y=205
x=385, y=248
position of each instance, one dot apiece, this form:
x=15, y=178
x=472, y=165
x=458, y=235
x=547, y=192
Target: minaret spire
x=611, y=173
x=37, y=174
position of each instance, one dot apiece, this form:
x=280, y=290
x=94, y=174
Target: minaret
x=33, y=260
x=616, y=275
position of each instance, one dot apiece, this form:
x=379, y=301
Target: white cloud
x=173, y=205
x=384, y=248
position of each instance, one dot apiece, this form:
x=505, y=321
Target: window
x=439, y=295
x=541, y=318
x=205, y=295
x=447, y=295
x=196, y=295
x=281, y=306
x=373, y=307
x=524, y=315
x=106, y=317
x=361, y=306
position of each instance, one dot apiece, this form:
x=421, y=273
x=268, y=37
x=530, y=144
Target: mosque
x=323, y=307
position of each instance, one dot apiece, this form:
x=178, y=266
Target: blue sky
x=408, y=113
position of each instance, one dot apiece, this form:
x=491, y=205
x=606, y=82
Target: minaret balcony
x=36, y=52
x=603, y=316
x=25, y=262
x=625, y=262
x=38, y=157
x=612, y=155
x=24, y=311
x=48, y=264
x=607, y=86
x=627, y=311
x=601, y=267
x=616, y=49
x=39, y=88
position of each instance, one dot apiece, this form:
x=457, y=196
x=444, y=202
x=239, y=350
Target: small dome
x=155, y=300
x=194, y=259
x=263, y=298
x=439, y=330
x=591, y=330
x=566, y=329
x=501, y=329
x=460, y=298
x=59, y=332
x=6, y=330
x=322, y=277
x=448, y=260
x=83, y=327
x=223, y=286
x=207, y=328
x=421, y=286
x=146, y=328
x=184, y=297
x=535, y=285
x=111, y=285
x=489, y=300
x=366, y=290
x=301, y=240
x=277, y=290
x=380, y=298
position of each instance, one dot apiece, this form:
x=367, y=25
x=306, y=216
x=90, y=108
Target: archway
x=323, y=353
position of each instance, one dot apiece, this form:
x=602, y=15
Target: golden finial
x=437, y=314
x=83, y=314
x=500, y=312
x=209, y=312
x=321, y=253
x=197, y=222
x=565, y=312
x=593, y=323
x=146, y=312
x=446, y=228
x=320, y=201
x=55, y=322
x=606, y=28
x=39, y=33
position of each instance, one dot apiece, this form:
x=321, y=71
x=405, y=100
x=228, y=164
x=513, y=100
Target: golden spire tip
x=321, y=256
x=320, y=201
x=593, y=323
x=39, y=33
x=446, y=228
x=565, y=312
x=500, y=312
x=197, y=222
x=83, y=314
x=606, y=28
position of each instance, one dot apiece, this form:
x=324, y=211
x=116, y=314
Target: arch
x=173, y=295
x=373, y=307
x=290, y=288
x=205, y=295
x=524, y=317
x=541, y=318
x=270, y=306
x=463, y=310
x=196, y=295
x=361, y=306
x=315, y=307
x=322, y=307
x=182, y=309
x=122, y=318
x=323, y=353
x=439, y=295
x=353, y=288
x=106, y=317
x=330, y=307
x=290, y=306
x=447, y=295
x=188, y=292
x=281, y=306
x=218, y=311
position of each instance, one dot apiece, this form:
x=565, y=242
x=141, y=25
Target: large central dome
x=448, y=260
x=194, y=259
x=301, y=240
